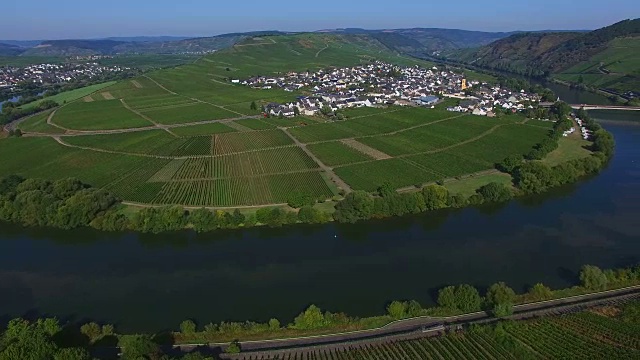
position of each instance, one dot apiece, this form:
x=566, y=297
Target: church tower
x=464, y=84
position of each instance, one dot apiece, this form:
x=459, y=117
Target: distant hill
x=559, y=54
x=10, y=50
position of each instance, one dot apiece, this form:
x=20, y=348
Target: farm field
x=98, y=115
x=69, y=96
x=168, y=138
x=38, y=123
x=583, y=335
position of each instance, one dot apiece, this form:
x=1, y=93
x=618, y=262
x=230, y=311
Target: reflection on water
x=152, y=282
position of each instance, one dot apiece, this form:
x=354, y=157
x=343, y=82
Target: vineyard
x=576, y=336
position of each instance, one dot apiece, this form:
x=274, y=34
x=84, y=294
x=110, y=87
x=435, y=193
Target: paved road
x=412, y=328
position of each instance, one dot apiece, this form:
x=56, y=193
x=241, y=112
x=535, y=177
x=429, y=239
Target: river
x=153, y=282
x=13, y=99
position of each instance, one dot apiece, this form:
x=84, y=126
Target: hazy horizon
x=43, y=20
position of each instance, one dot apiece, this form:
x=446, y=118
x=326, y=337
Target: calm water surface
x=149, y=283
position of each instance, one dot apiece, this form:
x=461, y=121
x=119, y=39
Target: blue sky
x=47, y=19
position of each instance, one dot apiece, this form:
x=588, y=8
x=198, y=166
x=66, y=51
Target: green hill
x=576, y=57
x=191, y=136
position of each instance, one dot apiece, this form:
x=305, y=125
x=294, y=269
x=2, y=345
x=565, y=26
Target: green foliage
x=386, y=189
x=435, y=197
x=299, y=199
x=593, y=278
x=233, y=347
x=495, y=192
x=540, y=292
x=92, y=331
x=462, y=297
x=136, y=347
x=188, y=327
x=397, y=310
x=274, y=324
x=157, y=220
x=311, y=318
x=510, y=163
x=356, y=206
x=500, y=293
x=65, y=203
x=310, y=215
x=502, y=309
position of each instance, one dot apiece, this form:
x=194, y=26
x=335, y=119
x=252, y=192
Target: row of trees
x=361, y=205
x=11, y=111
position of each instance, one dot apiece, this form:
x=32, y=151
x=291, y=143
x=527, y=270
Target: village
x=380, y=84
x=13, y=77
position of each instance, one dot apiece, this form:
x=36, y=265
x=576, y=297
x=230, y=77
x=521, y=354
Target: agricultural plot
x=204, y=129
x=154, y=142
x=49, y=160
x=71, y=95
x=243, y=191
x=187, y=113
x=505, y=141
x=432, y=136
x=135, y=185
x=142, y=103
x=256, y=124
x=398, y=172
x=273, y=161
x=38, y=123
x=449, y=165
x=249, y=141
x=336, y=154
x=98, y=115
x=576, y=336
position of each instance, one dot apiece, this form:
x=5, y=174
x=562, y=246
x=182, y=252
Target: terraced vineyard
x=576, y=336
x=187, y=135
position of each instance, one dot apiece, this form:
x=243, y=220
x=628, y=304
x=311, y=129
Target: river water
x=153, y=282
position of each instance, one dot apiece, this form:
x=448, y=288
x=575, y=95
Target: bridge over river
x=596, y=107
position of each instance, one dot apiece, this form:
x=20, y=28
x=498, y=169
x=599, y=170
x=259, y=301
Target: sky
x=75, y=19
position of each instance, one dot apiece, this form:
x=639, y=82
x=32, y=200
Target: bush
x=495, y=192
x=187, y=327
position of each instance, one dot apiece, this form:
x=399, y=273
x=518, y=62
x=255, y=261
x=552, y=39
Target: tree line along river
x=152, y=282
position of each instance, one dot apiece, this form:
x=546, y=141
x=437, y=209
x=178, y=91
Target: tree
x=188, y=327
x=72, y=354
x=467, y=298
x=397, y=309
x=593, y=278
x=502, y=309
x=500, y=293
x=414, y=308
x=447, y=297
x=253, y=106
x=233, y=347
x=202, y=220
x=510, y=163
x=386, y=189
x=136, y=347
x=92, y=331
x=356, y=206
x=311, y=318
x=495, y=192
x=435, y=197
x=298, y=199
x=237, y=218
x=540, y=292
x=274, y=324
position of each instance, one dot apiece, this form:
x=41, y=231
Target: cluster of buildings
x=53, y=73
x=586, y=133
x=486, y=100
x=380, y=84
x=375, y=84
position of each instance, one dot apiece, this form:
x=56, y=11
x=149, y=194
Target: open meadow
x=187, y=136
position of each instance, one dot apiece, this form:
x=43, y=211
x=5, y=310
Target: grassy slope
x=621, y=59
x=72, y=95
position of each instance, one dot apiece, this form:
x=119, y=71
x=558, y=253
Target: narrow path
x=50, y=120
x=59, y=140
x=160, y=85
x=343, y=185
x=365, y=149
x=188, y=207
x=159, y=126
x=235, y=125
x=321, y=50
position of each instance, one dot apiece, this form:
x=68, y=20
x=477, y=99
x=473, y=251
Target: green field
x=168, y=138
x=38, y=123
x=72, y=95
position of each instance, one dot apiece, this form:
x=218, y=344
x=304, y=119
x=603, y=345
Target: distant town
x=13, y=77
x=381, y=84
